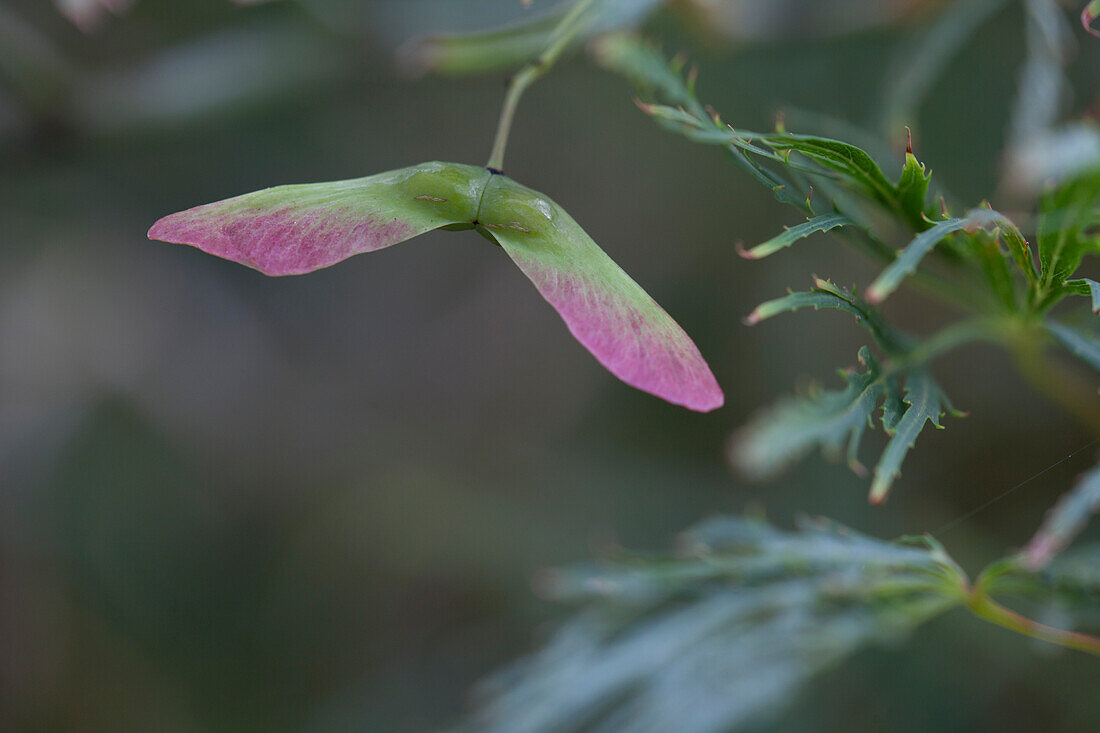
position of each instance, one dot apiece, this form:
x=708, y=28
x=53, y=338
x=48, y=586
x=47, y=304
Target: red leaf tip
x=1088, y=15
x=747, y=254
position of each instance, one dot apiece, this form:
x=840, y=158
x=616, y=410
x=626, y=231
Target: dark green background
x=231, y=503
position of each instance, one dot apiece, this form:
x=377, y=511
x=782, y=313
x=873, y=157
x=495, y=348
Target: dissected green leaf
x=1068, y=230
x=725, y=632
x=1081, y=343
x=741, y=146
x=813, y=155
x=851, y=162
x=985, y=246
x=909, y=259
x=792, y=302
x=838, y=165
x=927, y=404
x=1065, y=521
x=828, y=295
x=718, y=636
x=1018, y=248
x=703, y=129
x=789, y=430
x=858, y=169
x=975, y=221
x=913, y=188
x=630, y=56
x=833, y=419
x=823, y=223
x=1088, y=288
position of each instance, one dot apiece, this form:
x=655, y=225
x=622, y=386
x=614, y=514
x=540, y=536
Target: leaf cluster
x=726, y=630
x=979, y=262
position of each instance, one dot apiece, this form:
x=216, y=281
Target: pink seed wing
x=604, y=309
x=291, y=230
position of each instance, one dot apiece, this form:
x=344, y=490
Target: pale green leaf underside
x=724, y=633
x=716, y=639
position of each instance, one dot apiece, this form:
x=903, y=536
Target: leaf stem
x=560, y=39
x=984, y=607
x=978, y=600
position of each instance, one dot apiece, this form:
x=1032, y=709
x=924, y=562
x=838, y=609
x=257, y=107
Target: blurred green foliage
x=229, y=503
x=727, y=630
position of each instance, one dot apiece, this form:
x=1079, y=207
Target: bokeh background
x=232, y=503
